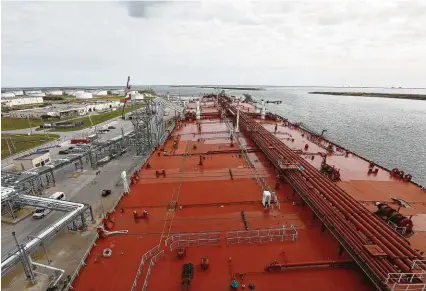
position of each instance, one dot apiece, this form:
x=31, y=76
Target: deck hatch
x=375, y=250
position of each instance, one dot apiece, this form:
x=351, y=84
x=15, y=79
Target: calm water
x=390, y=132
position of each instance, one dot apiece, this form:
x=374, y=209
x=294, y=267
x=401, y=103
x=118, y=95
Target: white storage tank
x=102, y=93
x=55, y=93
x=7, y=95
x=83, y=95
x=36, y=94
x=18, y=93
x=32, y=92
x=134, y=95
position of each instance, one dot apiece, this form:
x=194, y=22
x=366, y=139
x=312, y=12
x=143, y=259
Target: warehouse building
x=66, y=110
x=31, y=161
x=21, y=100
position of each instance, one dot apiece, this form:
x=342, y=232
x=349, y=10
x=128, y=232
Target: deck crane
x=126, y=96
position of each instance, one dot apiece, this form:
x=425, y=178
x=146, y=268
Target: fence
x=193, y=239
x=154, y=260
x=145, y=257
x=262, y=235
x=409, y=281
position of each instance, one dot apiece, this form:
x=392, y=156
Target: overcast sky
x=337, y=43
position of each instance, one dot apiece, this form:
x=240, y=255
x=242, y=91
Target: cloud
x=308, y=42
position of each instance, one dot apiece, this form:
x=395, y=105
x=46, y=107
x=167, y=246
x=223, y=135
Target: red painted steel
x=351, y=220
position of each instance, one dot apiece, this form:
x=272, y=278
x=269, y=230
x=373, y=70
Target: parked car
x=105, y=193
x=40, y=213
x=111, y=127
x=64, y=152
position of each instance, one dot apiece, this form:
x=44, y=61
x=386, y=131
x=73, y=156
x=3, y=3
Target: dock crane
x=126, y=97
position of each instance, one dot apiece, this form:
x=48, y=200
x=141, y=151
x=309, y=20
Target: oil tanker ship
x=243, y=199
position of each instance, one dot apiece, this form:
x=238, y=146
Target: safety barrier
x=154, y=260
x=408, y=287
x=193, y=239
x=262, y=235
x=145, y=257
x=409, y=281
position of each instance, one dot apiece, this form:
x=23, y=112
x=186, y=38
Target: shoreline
x=379, y=95
x=220, y=87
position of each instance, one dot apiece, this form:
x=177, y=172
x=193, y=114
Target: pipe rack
x=351, y=224
x=75, y=210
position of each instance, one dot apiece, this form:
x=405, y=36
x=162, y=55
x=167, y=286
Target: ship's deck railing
x=191, y=236
x=188, y=243
x=419, y=265
x=154, y=260
x=81, y=264
x=145, y=257
x=193, y=239
x=262, y=235
x=403, y=277
x=408, y=287
x=409, y=281
x=399, y=229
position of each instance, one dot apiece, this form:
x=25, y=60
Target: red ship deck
x=208, y=200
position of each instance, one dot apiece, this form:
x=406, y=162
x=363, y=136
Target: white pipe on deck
x=263, y=112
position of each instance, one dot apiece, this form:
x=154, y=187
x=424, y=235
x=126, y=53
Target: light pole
x=29, y=123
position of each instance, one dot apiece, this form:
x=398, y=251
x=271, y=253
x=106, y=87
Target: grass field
x=8, y=123
x=21, y=142
x=96, y=119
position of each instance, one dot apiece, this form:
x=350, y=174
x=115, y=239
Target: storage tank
x=36, y=94
x=134, y=95
x=18, y=93
x=7, y=94
x=32, y=92
x=55, y=93
x=83, y=95
x=102, y=93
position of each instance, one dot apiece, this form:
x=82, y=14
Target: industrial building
x=19, y=101
x=66, y=110
x=31, y=161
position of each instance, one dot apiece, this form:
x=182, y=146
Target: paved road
x=67, y=136
x=86, y=189
x=72, y=187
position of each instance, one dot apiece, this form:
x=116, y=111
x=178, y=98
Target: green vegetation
x=96, y=119
x=15, y=143
x=381, y=95
x=147, y=91
x=109, y=97
x=8, y=123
